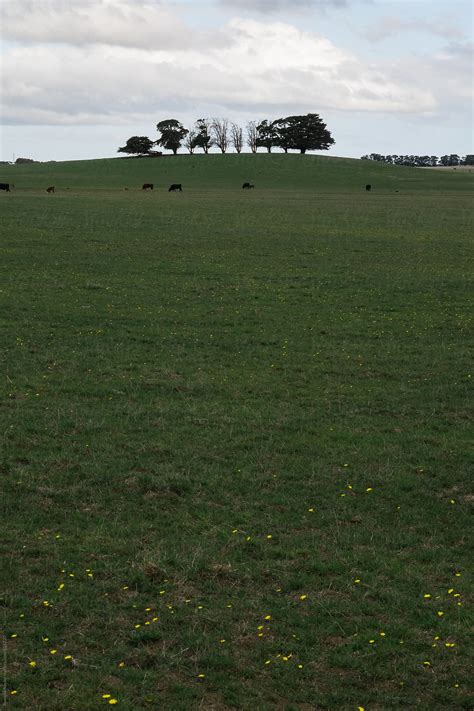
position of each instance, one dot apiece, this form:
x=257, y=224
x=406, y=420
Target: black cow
x=147, y=186
x=248, y=186
x=174, y=187
x=5, y=186
x=50, y=190
x=368, y=188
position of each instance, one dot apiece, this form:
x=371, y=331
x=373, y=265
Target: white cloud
x=264, y=67
x=148, y=24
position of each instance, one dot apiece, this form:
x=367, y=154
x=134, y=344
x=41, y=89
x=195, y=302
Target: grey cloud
x=269, y=6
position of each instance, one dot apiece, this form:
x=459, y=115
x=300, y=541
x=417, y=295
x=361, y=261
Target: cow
x=368, y=188
x=5, y=186
x=50, y=190
x=248, y=186
x=147, y=186
x=176, y=186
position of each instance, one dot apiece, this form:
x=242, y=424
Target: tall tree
x=172, y=134
x=304, y=133
x=252, y=136
x=138, y=145
x=204, y=137
x=236, y=137
x=220, y=133
x=190, y=141
x=267, y=135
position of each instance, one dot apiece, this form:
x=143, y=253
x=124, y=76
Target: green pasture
x=236, y=435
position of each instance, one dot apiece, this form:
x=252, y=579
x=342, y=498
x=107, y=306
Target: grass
x=236, y=431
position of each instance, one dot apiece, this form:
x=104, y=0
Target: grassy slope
x=228, y=172
x=187, y=378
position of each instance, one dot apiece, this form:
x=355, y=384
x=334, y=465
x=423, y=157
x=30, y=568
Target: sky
x=79, y=77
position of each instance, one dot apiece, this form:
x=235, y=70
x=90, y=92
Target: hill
x=227, y=172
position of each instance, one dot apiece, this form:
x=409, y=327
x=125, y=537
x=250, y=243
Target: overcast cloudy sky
x=79, y=77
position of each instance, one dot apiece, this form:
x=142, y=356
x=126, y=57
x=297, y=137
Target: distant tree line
x=299, y=133
x=422, y=161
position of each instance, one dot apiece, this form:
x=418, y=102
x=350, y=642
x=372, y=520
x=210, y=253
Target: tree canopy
x=139, y=145
x=303, y=133
x=172, y=134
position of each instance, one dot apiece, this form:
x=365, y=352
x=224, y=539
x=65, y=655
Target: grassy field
x=236, y=435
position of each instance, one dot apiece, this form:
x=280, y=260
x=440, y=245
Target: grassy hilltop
x=236, y=435
x=275, y=172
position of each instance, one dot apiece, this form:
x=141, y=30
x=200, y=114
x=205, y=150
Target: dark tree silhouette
x=172, y=134
x=304, y=133
x=267, y=135
x=138, y=145
x=203, y=139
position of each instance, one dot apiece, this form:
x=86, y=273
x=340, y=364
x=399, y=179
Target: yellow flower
x=106, y=696
x=13, y=692
x=357, y=580
x=303, y=597
x=32, y=664
x=53, y=651
x=268, y=617
x=427, y=596
x=121, y=664
x=68, y=656
x=369, y=488
x=112, y=702
x=440, y=613
x=201, y=676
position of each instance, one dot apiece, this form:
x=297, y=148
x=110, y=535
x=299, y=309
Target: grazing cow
x=174, y=187
x=5, y=186
x=50, y=190
x=147, y=186
x=368, y=188
x=248, y=186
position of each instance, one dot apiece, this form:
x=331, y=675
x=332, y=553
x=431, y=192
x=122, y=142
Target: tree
x=468, y=160
x=204, y=138
x=190, y=141
x=267, y=135
x=304, y=133
x=220, y=129
x=138, y=145
x=252, y=136
x=172, y=134
x=236, y=137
